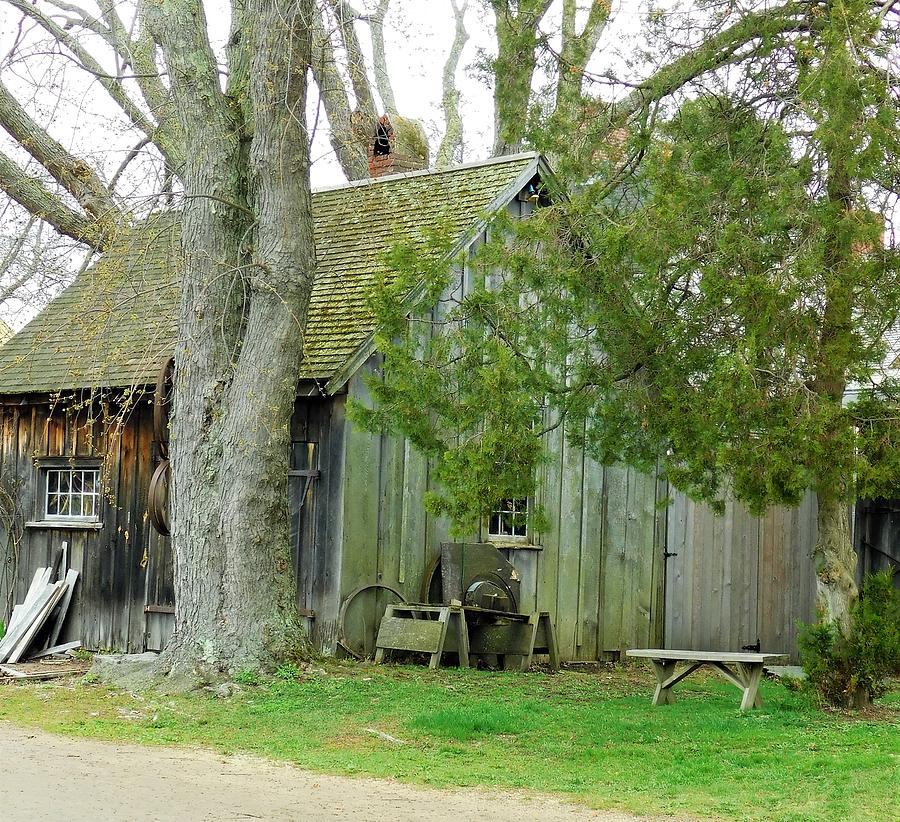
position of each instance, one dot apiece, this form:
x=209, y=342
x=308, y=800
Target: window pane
x=510, y=518
x=72, y=493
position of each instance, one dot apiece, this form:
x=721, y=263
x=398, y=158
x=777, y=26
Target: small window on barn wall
x=69, y=493
x=304, y=465
x=509, y=519
x=73, y=493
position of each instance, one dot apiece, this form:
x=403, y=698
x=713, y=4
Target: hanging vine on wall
x=12, y=526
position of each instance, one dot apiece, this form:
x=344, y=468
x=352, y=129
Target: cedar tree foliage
x=700, y=300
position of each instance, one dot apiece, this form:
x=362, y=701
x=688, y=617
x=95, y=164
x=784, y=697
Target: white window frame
x=64, y=490
x=49, y=468
x=512, y=506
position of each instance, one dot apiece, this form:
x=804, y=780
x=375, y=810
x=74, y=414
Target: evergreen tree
x=703, y=301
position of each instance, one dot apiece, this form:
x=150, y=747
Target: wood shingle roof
x=115, y=324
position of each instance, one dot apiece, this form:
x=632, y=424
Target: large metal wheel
x=360, y=616
x=158, y=499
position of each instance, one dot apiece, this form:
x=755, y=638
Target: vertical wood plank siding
x=878, y=537
x=597, y=570
x=318, y=526
x=734, y=579
x=115, y=561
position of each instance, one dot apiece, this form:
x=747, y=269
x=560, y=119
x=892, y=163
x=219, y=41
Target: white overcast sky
x=419, y=33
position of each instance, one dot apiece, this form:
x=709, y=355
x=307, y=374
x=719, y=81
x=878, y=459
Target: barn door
x=159, y=608
x=734, y=579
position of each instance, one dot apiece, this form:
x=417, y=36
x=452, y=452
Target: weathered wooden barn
x=77, y=453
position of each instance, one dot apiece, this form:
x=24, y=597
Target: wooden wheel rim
x=342, y=637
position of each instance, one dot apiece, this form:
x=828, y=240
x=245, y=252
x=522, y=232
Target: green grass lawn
x=591, y=736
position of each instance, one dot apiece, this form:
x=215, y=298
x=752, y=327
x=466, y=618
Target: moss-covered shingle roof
x=116, y=323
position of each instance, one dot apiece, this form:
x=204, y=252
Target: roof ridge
x=425, y=172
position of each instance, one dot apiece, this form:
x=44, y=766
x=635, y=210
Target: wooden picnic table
x=741, y=669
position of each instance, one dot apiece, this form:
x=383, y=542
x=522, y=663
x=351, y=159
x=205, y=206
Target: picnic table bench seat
x=742, y=669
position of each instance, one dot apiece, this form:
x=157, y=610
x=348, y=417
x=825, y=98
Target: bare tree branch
x=577, y=49
x=167, y=144
x=715, y=52
x=346, y=136
x=140, y=54
x=517, y=39
x=345, y=15
x=132, y=155
x=379, y=54
x=32, y=195
x=451, y=146
x=71, y=172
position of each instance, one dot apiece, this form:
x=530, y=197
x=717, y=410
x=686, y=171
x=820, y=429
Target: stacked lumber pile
x=35, y=625
x=54, y=667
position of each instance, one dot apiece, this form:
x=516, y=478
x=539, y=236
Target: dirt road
x=46, y=777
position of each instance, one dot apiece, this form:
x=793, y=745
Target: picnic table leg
x=664, y=670
x=752, y=674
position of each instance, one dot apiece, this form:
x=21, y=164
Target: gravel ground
x=47, y=777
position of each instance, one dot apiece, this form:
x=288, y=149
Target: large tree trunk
x=835, y=560
x=834, y=554
x=249, y=260
x=513, y=71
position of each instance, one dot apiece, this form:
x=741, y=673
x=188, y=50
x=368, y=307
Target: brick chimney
x=397, y=146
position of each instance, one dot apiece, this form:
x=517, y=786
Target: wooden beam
x=57, y=649
x=63, y=610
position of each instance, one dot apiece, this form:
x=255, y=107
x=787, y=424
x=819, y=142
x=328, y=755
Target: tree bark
x=517, y=31
x=71, y=172
x=834, y=556
x=248, y=248
x=348, y=137
x=35, y=198
x=379, y=57
x=576, y=50
x=451, y=147
x=835, y=562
